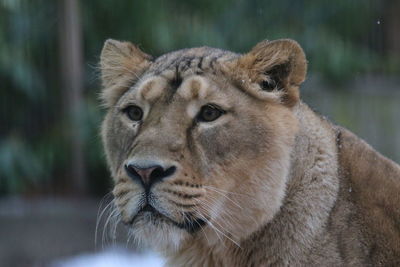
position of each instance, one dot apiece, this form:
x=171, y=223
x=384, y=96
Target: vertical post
x=392, y=26
x=72, y=78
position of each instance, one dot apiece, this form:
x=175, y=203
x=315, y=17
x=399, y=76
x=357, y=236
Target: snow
x=115, y=257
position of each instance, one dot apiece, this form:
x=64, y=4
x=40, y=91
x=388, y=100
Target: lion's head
x=198, y=141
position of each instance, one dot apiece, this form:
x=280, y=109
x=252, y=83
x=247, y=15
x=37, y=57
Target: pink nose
x=148, y=175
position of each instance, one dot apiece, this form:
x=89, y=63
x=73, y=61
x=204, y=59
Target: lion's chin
x=157, y=232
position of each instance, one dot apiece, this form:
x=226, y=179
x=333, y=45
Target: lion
x=216, y=161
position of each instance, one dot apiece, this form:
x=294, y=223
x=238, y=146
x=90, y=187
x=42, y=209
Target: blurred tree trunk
x=71, y=60
x=393, y=26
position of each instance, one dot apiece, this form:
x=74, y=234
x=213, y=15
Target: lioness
x=217, y=162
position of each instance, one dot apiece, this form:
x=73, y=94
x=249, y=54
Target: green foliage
x=18, y=160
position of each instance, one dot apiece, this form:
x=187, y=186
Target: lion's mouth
x=147, y=208
x=190, y=224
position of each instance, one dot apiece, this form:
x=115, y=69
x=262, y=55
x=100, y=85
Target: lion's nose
x=148, y=175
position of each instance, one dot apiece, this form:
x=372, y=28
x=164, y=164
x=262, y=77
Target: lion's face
x=197, y=147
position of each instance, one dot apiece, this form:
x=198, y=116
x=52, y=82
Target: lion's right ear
x=121, y=64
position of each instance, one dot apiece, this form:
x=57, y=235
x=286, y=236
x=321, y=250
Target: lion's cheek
x=233, y=142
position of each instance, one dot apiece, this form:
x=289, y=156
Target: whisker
x=216, y=228
x=100, y=214
x=113, y=227
x=226, y=212
x=109, y=218
x=212, y=227
x=180, y=190
x=209, y=206
x=225, y=195
x=213, y=200
x=229, y=192
x=129, y=238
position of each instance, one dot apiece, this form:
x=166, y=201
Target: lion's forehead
x=199, y=59
x=184, y=72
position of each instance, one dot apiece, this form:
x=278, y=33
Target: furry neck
x=310, y=195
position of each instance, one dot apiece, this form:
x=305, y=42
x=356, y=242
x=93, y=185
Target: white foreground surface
x=115, y=257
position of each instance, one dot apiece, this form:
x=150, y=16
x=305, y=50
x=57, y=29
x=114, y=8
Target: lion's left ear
x=274, y=68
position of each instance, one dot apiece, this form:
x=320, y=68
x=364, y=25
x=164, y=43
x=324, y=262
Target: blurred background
x=53, y=177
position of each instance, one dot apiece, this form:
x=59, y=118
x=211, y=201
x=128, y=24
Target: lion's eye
x=134, y=113
x=209, y=113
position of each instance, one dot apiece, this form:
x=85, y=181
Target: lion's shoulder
x=375, y=190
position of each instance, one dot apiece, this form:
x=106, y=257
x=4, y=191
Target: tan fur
x=121, y=64
x=270, y=183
